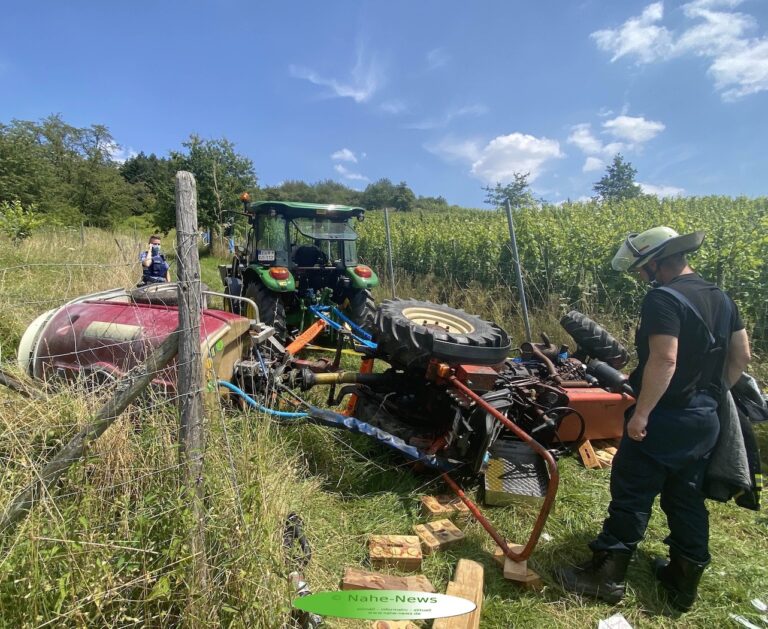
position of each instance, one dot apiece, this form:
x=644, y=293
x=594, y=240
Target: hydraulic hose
x=255, y=404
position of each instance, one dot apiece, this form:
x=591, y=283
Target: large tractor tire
x=161, y=294
x=362, y=309
x=594, y=339
x=410, y=332
x=271, y=309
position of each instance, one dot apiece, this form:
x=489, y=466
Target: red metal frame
x=554, y=477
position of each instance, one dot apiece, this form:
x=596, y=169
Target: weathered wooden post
x=190, y=374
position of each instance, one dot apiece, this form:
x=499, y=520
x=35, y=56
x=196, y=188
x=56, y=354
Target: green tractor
x=300, y=260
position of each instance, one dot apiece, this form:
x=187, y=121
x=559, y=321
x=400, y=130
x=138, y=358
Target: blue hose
x=255, y=404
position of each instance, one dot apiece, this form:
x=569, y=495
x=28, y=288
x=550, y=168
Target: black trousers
x=669, y=462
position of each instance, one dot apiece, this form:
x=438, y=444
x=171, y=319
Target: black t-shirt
x=662, y=313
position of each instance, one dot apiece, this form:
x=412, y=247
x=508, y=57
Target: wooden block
x=606, y=459
x=393, y=624
x=588, y=456
x=444, y=506
x=513, y=571
x=499, y=555
x=355, y=579
x=437, y=535
x=467, y=583
x=399, y=551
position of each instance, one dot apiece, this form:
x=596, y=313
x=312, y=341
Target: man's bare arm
x=658, y=371
x=738, y=356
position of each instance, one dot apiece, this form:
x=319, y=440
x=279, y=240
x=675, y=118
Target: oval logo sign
x=384, y=604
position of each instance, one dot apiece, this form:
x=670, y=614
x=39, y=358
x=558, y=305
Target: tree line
x=54, y=172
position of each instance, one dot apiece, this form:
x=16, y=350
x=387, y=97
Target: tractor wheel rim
x=438, y=320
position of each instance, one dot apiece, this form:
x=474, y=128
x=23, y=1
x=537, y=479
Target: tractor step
x=515, y=473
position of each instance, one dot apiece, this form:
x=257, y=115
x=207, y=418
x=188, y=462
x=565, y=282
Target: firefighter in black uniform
x=682, y=369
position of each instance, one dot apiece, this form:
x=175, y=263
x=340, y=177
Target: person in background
x=691, y=347
x=155, y=269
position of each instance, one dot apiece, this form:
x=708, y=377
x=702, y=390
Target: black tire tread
x=271, y=308
x=594, y=339
x=362, y=309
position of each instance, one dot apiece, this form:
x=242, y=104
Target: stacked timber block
x=467, y=583
x=444, y=506
x=355, y=579
x=598, y=454
x=393, y=624
x=395, y=551
x=517, y=571
x=438, y=535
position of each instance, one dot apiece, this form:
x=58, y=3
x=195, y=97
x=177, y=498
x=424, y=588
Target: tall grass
x=109, y=546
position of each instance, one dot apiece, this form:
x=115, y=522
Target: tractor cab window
x=324, y=229
x=271, y=233
x=318, y=241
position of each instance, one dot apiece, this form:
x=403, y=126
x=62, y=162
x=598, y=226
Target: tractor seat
x=307, y=255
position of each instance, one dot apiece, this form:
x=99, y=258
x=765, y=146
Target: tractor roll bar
x=549, y=498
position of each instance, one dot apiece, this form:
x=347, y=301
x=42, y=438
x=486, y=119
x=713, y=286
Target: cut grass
x=111, y=549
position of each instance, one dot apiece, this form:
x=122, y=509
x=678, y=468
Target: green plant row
x=565, y=251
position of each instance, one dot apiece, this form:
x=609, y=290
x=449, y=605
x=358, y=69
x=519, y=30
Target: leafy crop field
x=109, y=548
x=566, y=251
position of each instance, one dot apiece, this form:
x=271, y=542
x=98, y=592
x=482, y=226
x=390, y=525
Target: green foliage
x=378, y=195
x=67, y=172
x=221, y=175
x=16, y=222
x=566, y=251
x=517, y=192
x=403, y=198
x=618, y=183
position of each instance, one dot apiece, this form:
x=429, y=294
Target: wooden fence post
x=190, y=378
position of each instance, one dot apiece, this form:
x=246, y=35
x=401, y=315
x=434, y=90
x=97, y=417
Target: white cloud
x=119, y=154
x=506, y=155
x=365, y=79
x=638, y=36
x=451, y=149
x=437, y=58
x=348, y=174
x=630, y=131
x=661, y=191
x=502, y=157
x=444, y=120
x=634, y=129
x=739, y=63
x=393, y=106
x=344, y=155
x=742, y=71
x=581, y=136
x=592, y=164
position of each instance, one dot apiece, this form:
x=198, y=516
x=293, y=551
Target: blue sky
x=446, y=95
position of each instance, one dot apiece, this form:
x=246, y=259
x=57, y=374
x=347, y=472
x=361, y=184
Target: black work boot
x=680, y=577
x=601, y=577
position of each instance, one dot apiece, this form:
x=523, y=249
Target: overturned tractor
x=449, y=397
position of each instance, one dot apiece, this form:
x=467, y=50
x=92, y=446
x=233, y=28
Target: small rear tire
x=271, y=309
x=362, y=309
x=594, y=339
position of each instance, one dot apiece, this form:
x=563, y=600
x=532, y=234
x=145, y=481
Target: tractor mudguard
x=361, y=282
x=287, y=285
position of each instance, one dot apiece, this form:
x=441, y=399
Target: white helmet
x=653, y=244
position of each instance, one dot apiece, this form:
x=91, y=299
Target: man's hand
x=636, y=426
